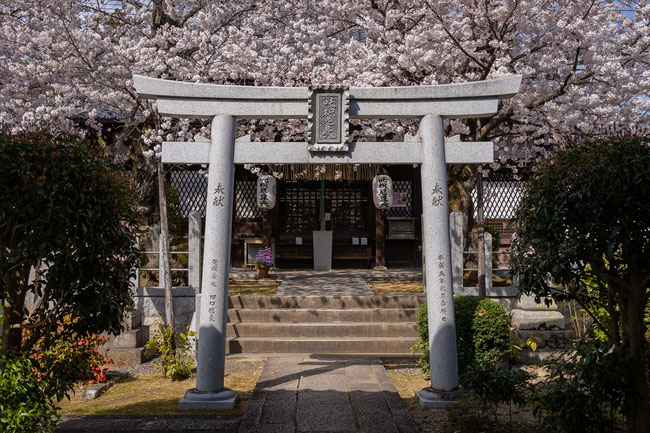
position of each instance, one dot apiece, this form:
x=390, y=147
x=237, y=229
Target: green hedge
x=482, y=331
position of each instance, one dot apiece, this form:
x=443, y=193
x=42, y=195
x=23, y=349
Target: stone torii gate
x=328, y=109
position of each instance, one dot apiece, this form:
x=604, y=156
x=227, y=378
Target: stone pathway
x=318, y=283
x=325, y=394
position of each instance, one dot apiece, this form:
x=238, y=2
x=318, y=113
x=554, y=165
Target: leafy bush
x=64, y=204
x=585, y=390
x=32, y=382
x=482, y=332
x=175, y=362
x=583, y=221
x=28, y=395
x=68, y=354
x=496, y=385
x=466, y=307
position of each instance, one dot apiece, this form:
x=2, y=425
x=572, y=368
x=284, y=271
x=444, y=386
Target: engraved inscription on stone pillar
x=329, y=112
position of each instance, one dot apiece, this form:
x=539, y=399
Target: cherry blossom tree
x=584, y=64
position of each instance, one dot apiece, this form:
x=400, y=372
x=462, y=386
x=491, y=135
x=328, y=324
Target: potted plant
x=263, y=262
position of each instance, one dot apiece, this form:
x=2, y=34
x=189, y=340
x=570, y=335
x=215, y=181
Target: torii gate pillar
x=211, y=356
x=437, y=266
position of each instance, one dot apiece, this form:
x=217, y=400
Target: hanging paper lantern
x=382, y=191
x=266, y=191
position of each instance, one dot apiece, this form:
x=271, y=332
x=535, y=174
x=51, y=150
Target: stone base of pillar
x=529, y=315
x=433, y=399
x=197, y=400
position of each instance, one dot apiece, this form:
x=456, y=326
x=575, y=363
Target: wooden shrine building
x=363, y=236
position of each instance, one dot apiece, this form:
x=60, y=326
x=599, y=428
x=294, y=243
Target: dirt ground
x=396, y=287
x=153, y=394
x=464, y=416
x=253, y=287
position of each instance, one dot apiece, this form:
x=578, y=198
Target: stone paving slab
x=310, y=394
x=149, y=424
x=317, y=283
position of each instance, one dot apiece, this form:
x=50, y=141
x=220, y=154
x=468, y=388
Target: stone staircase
x=374, y=324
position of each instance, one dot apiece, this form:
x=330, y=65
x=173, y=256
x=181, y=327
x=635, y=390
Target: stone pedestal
x=432, y=399
x=322, y=250
x=197, y=400
x=545, y=324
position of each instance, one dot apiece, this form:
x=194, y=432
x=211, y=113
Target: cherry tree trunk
x=632, y=314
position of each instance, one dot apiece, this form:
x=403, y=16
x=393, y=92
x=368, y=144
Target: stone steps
x=315, y=329
x=328, y=302
x=306, y=315
x=357, y=345
x=371, y=324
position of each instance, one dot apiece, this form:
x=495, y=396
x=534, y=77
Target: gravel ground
x=130, y=370
x=403, y=366
x=232, y=366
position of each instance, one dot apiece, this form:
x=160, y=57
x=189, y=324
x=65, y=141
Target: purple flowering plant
x=264, y=258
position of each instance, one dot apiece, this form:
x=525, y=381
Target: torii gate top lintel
x=199, y=100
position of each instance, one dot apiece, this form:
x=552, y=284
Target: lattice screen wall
x=299, y=204
x=405, y=190
x=245, y=203
x=501, y=196
x=193, y=187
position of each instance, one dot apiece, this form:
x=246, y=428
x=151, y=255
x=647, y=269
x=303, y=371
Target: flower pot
x=263, y=272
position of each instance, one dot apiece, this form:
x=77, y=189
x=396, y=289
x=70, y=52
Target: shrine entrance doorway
x=347, y=210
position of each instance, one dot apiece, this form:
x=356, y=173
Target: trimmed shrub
x=465, y=307
x=490, y=332
x=482, y=332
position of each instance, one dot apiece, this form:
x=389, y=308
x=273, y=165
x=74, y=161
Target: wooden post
x=380, y=241
x=480, y=229
x=194, y=254
x=267, y=231
x=164, y=246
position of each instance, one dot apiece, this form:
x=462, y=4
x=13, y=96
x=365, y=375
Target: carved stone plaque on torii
x=328, y=109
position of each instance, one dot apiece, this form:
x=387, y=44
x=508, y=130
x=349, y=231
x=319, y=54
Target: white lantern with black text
x=266, y=191
x=382, y=191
